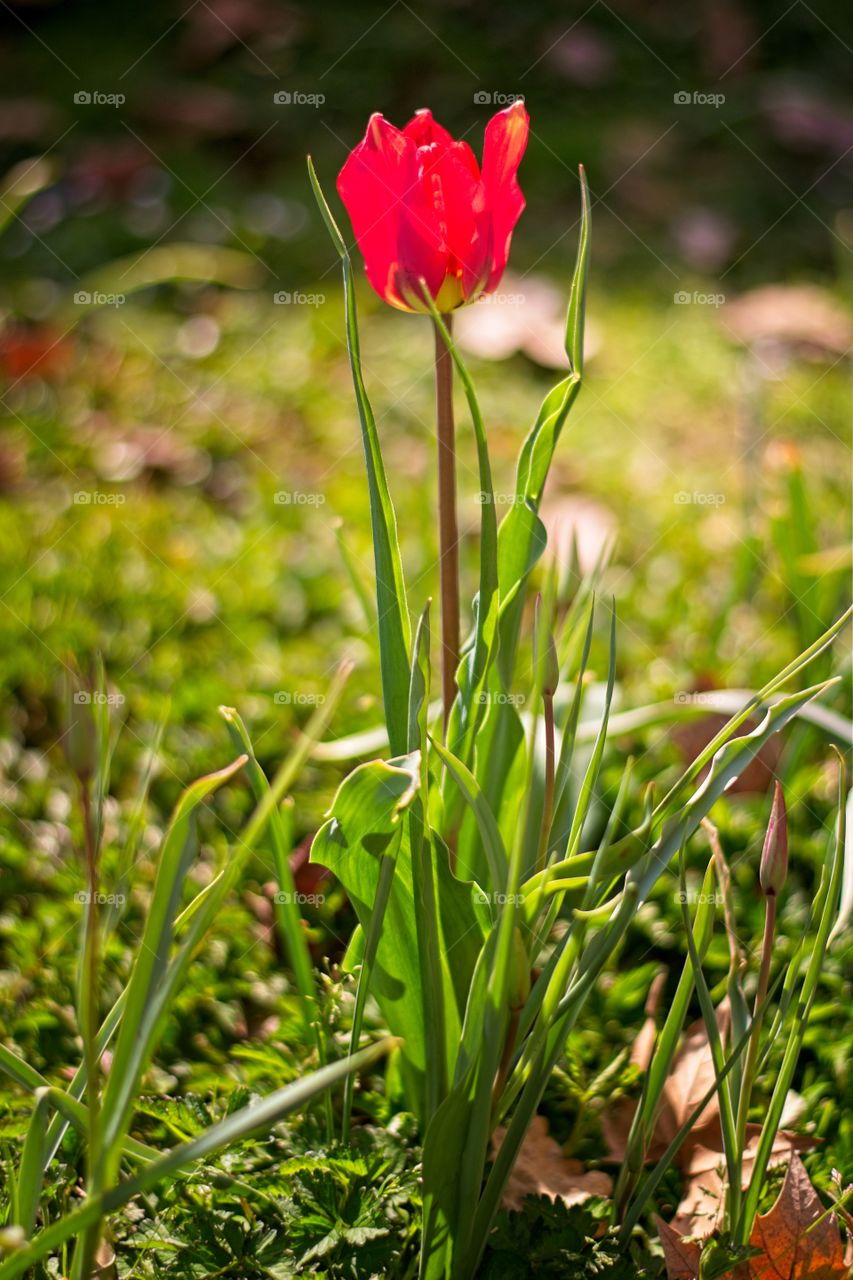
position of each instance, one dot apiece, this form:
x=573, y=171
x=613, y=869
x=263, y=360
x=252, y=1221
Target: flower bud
x=774, y=855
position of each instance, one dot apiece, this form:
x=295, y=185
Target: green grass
x=200, y=589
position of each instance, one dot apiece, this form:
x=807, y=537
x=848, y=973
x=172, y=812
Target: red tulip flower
x=423, y=210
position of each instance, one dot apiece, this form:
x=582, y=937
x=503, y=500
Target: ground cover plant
x=503, y=929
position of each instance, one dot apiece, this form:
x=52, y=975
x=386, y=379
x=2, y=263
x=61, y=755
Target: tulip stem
x=448, y=530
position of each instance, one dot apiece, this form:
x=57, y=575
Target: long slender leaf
x=392, y=613
x=257, y=1117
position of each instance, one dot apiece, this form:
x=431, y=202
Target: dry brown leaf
x=690, y=1078
x=692, y=1073
x=795, y=1239
x=701, y=1208
x=541, y=1169
x=681, y=1256
x=792, y=1246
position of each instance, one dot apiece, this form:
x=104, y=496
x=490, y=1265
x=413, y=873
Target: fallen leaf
x=794, y=1244
x=690, y=1077
x=701, y=1209
x=541, y=1169
x=681, y=1256
x=693, y=736
x=692, y=1073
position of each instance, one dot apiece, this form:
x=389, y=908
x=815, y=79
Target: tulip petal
x=506, y=140
x=458, y=198
x=394, y=227
x=425, y=131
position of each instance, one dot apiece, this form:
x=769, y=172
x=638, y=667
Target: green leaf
x=392, y=612
x=365, y=817
x=135, y=1042
x=521, y=537
x=257, y=1117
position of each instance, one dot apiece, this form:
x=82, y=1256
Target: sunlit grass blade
x=830, y=892
x=728, y=1124
x=490, y=834
x=288, y=918
x=134, y=1041
x=391, y=608
x=665, y=1047
x=653, y=1179
x=257, y=1117
x=31, y=1168
x=521, y=535
x=435, y=976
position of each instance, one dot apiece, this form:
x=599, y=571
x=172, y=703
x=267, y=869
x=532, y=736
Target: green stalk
x=89, y=1022
x=826, y=903
x=448, y=530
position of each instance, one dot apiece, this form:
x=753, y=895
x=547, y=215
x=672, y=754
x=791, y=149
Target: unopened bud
x=774, y=855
